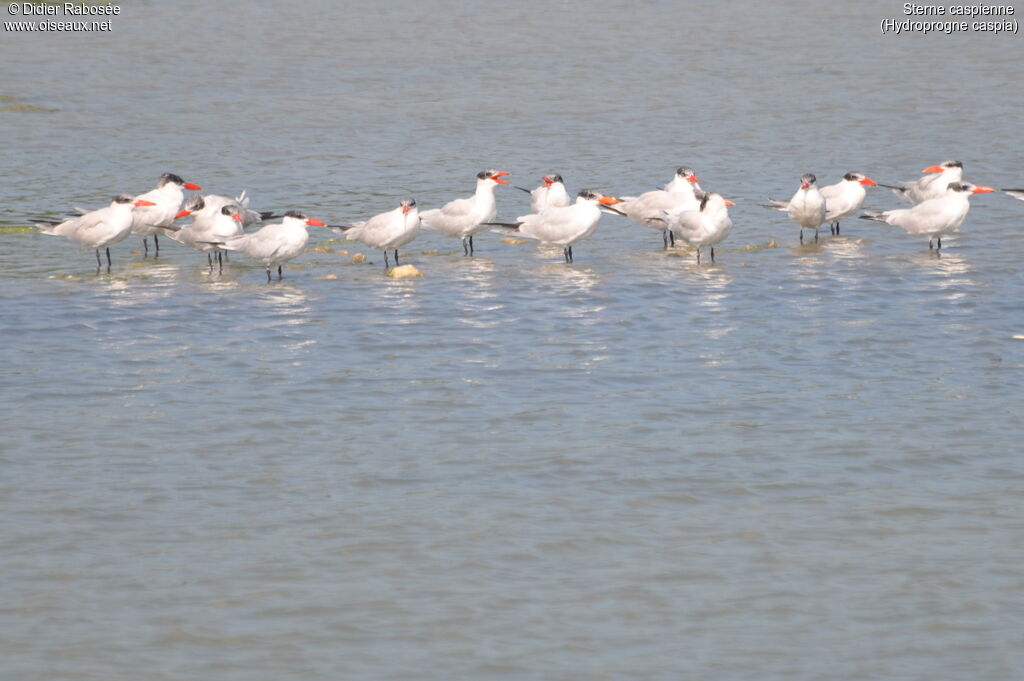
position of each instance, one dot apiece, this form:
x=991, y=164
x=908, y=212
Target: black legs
x=220, y=258
x=145, y=247
x=99, y=263
x=567, y=252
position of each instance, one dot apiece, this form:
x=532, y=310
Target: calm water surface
x=798, y=463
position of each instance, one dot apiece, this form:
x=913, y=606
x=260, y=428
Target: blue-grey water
x=797, y=463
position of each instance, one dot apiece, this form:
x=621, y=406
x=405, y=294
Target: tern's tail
x=427, y=217
x=901, y=191
x=775, y=204
x=876, y=215
x=232, y=244
x=350, y=232
x=46, y=226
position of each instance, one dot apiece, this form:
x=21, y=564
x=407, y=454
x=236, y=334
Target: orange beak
x=313, y=222
x=405, y=209
x=236, y=217
x=608, y=200
x=729, y=203
x=182, y=213
x=194, y=187
x=692, y=178
x=143, y=202
x=932, y=169
x=495, y=177
x=982, y=190
x=867, y=181
x=548, y=181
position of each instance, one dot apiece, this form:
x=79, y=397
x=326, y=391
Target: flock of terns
x=680, y=210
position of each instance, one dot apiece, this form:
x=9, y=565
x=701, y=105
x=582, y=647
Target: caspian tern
x=706, y=226
x=214, y=202
x=806, y=208
x=465, y=217
x=844, y=198
x=934, y=217
x=681, y=194
x=207, y=228
x=166, y=200
x=386, y=230
x=564, y=225
x=550, y=194
x=931, y=187
x=99, y=228
x=277, y=243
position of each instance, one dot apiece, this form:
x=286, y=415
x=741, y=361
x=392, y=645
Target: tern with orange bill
x=934, y=217
x=932, y=186
x=213, y=203
x=806, y=208
x=706, y=226
x=208, y=227
x=844, y=198
x=565, y=225
x=100, y=228
x=276, y=243
x=550, y=194
x=386, y=230
x=165, y=201
x=682, y=193
x=463, y=218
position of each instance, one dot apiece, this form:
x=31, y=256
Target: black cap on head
x=685, y=171
x=409, y=202
x=556, y=178
x=194, y=203
x=228, y=210
x=170, y=177
x=952, y=164
x=809, y=178
x=124, y=198
x=589, y=194
x=298, y=215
